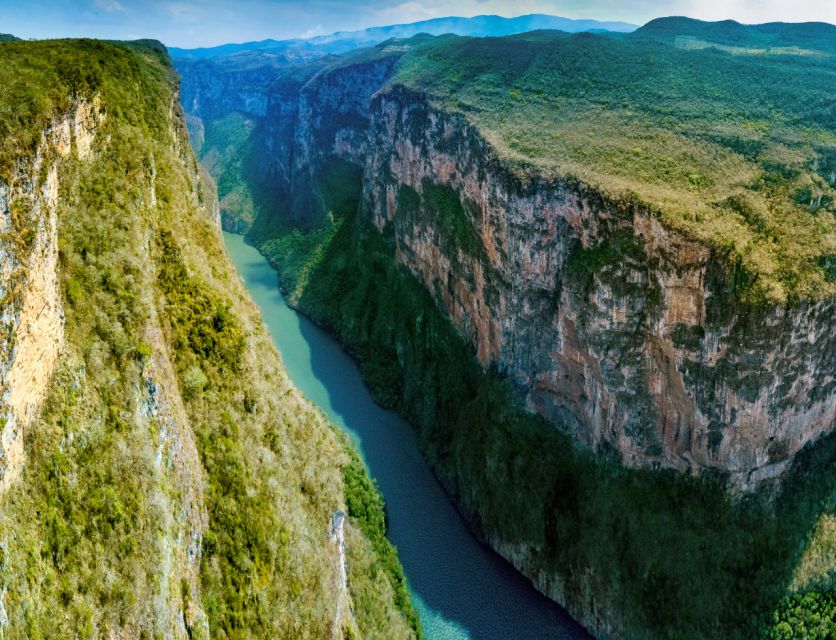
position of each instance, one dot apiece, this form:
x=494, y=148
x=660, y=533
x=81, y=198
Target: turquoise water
x=462, y=589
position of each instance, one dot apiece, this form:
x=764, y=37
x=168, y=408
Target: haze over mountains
x=344, y=41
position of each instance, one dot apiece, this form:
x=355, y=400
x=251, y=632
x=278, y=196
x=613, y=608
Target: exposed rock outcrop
x=343, y=617
x=32, y=317
x=177, y=462
x=333, y=118
x=607, y=323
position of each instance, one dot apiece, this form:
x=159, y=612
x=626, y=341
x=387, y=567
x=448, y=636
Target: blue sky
x=191, y=23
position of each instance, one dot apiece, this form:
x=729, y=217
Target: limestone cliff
x=33, y=318
x=160, y=477
x=608, y=323
x=333, y=117
x=242, y=119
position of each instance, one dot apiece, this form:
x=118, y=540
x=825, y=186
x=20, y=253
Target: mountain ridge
x=159, y=474
x=821, y=35
x=343, y=41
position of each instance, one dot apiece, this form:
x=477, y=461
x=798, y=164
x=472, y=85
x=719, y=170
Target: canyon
x=586, y=280
x=608, y=323
x=671, y=389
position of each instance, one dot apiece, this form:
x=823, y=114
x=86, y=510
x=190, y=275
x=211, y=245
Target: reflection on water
x=462, y=590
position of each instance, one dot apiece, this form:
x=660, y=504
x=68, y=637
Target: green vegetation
x=809, y=36
x=224, y=152
x=174, y=474
x=204, y=330
x=811, y=615
x=367, y=511
x=443, y=207
x=82, y=527
x=46, y=77
x=296, y=256
x=735, y=150
x=690, y=562
x=585, y=262
x=246, y=536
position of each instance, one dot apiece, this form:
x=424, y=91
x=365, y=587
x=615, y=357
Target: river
x=462, y=589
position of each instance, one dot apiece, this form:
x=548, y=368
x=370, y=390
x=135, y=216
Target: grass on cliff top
x=735, y=149
x=41, y=81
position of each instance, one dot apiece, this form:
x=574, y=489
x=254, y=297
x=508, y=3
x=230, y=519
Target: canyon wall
x=607, y=323
x=333, y=117
x=611, y=326
x=32, y=317
x=262, y=101
x=160, y=476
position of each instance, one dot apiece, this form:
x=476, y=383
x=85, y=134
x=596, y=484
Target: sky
x=197, y=23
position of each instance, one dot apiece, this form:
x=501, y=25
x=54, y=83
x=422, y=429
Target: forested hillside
x=161, y=477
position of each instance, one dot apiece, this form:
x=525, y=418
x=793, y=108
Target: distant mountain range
x=343, y=41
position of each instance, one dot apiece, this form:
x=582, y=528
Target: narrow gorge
x=613, y=337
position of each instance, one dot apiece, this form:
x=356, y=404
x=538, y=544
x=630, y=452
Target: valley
x=458, y=329
x=576, y=334
x=461, y=589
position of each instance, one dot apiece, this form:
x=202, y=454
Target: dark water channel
x=462, y=589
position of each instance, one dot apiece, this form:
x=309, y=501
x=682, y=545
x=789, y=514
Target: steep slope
x=161, y=475
x=581, y=265
x=241, y=115
x=620, y=302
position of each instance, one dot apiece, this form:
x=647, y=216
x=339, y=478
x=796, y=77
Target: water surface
x=462, y=589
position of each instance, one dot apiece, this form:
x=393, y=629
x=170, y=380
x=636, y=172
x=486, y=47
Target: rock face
x=606, y=323
x=267, y=99
x=333, y=117
x=32, y=317
x=209, y=92
x=33, y=342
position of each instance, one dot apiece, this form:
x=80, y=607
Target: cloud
x=318, y=30
x=181, y=9
x=414, y=11
x=761, y=11
x=110, y=6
